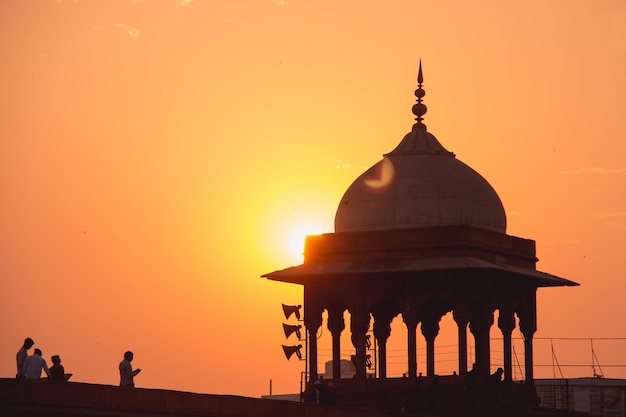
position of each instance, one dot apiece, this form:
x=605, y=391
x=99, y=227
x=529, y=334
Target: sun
x=295, y=241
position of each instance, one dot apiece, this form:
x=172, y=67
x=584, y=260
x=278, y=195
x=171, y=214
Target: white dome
x=419, y=184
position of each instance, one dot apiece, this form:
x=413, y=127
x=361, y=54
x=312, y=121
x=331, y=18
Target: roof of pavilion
x=420, y=269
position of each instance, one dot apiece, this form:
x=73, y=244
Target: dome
x=419, y=184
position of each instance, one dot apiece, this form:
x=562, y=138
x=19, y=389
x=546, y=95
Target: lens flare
x=384, y=175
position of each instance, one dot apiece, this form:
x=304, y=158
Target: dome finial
x=419, y=108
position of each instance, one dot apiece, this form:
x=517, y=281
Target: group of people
x=31, y=367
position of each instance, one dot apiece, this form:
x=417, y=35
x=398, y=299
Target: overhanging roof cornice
x=419, y=269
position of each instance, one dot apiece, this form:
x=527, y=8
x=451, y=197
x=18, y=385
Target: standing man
x=21, y=356
x=34, y=365
x=126, y=371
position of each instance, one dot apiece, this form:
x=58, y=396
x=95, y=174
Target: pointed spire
x=419, y=108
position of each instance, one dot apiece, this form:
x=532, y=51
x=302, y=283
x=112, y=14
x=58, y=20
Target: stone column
x=411, y=320
x=481, y=321
x=336, y=325
x=461, y=317
x=528, y=327
x=506, y=323
x=359, y=324
x=382, y=330
x=430, y=330
x=312, y=322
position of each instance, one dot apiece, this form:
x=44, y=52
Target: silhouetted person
x=57, y=372
x=317, y=386
x=330, y=387
x=127, y=374
x=496, y=377
x=21, y=356
x=34, y=365
x=494, y=383
x=471, y=378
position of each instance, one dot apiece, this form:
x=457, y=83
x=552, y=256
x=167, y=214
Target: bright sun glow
x=296, y=239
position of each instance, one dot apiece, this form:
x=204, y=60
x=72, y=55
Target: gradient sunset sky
x=157, y=157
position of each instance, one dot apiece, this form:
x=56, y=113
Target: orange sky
x=155, y=157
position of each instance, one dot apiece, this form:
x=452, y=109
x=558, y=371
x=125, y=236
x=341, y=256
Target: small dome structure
x=419, y=184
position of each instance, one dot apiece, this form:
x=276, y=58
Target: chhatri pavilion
x=419, y=235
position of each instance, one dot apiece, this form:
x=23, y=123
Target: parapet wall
x=44, y=399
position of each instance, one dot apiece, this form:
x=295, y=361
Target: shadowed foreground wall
x=44, y=399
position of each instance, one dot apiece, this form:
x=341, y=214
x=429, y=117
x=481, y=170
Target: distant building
x=347, y=369
x=598, y=397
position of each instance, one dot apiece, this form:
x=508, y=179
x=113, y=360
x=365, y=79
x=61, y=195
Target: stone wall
x=45, y=399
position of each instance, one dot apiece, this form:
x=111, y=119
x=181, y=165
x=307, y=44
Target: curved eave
x=453, y=267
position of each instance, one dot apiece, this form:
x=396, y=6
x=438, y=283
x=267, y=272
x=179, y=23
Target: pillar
x=411, y=320
x=430, y=330
x=528, y=326
x=481, y=321
x=506, y=323
x=312, y=322
x=359, y=324
x=461, y=317
x=382, y=330
x=336, y=325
